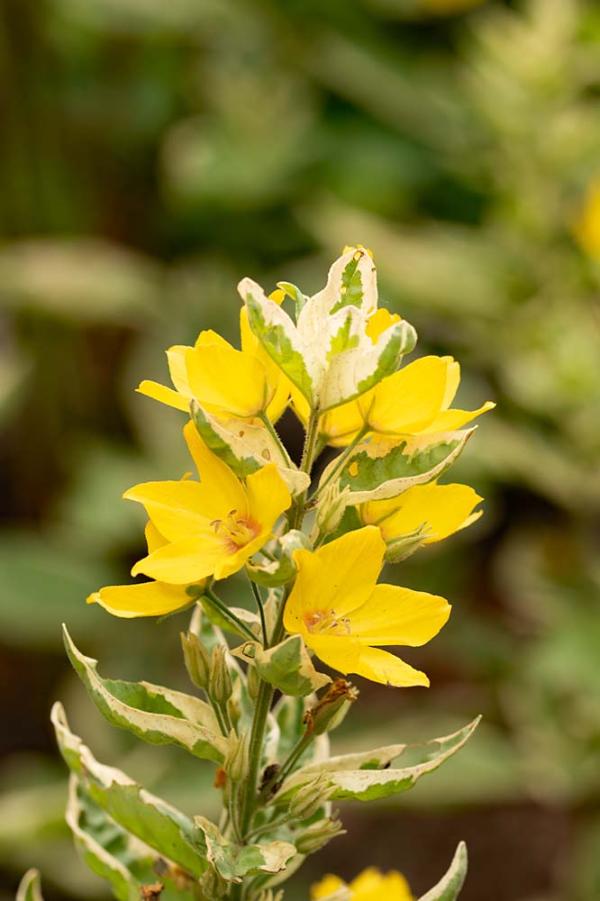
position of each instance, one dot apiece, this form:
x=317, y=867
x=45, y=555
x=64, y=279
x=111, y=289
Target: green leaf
x=449, y=886
x=153, y=713
x=113, y=854
x=368, y=775
x=30, y=888
x=351, y=291
x=383, y=469
x=233, y=862
x=246, y=447
x=287, y=666
x=152, y=820
x=276, y=332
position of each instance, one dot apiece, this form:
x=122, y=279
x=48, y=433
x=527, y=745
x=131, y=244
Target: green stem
x=227, y=614
x=289, y=763
x=341, y=460
x=308, y=457
x=274, y=435
x=261, y=611
x=257, y=735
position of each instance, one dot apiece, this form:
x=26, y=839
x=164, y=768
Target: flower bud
x=317, y=836
x=402, y=547
x=331, y=707
x=197, y=661
x=253, y=682
x=234, y=711
x=236, y=759
x=219, y=685
x=268, y=895
x=309, y=798
x=212, y=886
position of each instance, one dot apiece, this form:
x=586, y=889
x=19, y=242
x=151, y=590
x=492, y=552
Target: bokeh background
x=154, y=152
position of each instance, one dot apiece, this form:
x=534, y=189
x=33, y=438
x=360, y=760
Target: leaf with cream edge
x=327, y=354
x=30, y=888
x=366, y=776
x=246, y=447
x=449, y=886
x=379, y=469
x=152, y=820
x=151, y=712
x=234, y=862
x=287, y=666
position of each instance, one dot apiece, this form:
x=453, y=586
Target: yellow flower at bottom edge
x=440, y=509
x=370, y=885
x=226, y=382
x=212, y=526
x=346, y=618
x=144, y=598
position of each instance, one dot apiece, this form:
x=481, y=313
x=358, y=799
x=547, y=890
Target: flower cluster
x=316, y=538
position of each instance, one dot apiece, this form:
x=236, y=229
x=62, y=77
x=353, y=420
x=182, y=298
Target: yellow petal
x=267, y=495
x=177, y=509
x=154, y=539
x=399, y=616
x=178, y=371
x=379, y=322
x=409, y=400
x=341, y=424
x=183, y=562
x=325, y=887
x=209, y=337
x=278, y=384
x=444, y=509
x=449, y=420
x=164, y=395
x=144, y=599
x=229, y=379
x=223, y=490
x=371, y=885
x=452, y=381
x=347, y=656
x=339, y=576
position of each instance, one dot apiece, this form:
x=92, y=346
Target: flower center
x=326, y=621
x=235, y=530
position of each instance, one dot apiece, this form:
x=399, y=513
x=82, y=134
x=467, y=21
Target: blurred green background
x=153, y=153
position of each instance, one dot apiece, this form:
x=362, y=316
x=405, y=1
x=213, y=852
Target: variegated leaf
x=287, y=666
x=234, y=862
x=30, y=888
x=246, y=447
x=382, y=469
x=449, y=886
x=152, y=820
x=153, y=713
x=368, y=775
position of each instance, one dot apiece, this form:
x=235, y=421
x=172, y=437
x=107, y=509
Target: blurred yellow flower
x=144, y=598
x=440, y=509
x=370, y=885
x=345, y=617
x=587, y=226
x=213, y=526
x=224, y=381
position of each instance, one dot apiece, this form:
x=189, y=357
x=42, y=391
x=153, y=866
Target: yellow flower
x=213, y=526
x=370, y=885
x=413, y=401
x=440, y=509
x=224, y=381
x=346, y=618
x=144, y=598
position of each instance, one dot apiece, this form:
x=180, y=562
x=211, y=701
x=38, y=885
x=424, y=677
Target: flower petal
x=228, y=379
x=443, y=508
x=184, y=562
x=144, y=599
x=410, y=399
x=223, y=490
x=177, y=369
x=177, y=509
x=450, y=420
x=164, y=395
x=348, y=656
x=339, y=576
x=399, y=616
x=267, y=495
